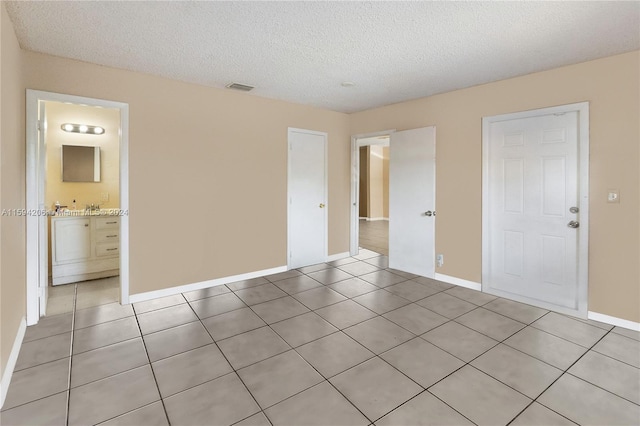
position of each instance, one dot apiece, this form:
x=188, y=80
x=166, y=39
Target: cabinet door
x=72, y=240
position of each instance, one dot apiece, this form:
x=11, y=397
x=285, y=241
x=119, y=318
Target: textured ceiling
x=303, y=51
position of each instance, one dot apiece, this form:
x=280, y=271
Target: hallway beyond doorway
x=374, y=235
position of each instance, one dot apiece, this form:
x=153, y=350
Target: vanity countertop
x=83, y=213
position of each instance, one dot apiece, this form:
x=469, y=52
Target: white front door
x=307, y=198
x=412, y=202
x=532, y=209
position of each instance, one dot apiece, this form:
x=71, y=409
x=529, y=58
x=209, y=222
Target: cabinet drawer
x=107, y=249
x=108, y=236
x=107, y=222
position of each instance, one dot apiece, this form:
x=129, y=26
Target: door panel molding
x=548, y=138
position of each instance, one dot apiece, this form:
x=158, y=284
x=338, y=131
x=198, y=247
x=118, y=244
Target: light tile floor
x=63, y=298
x=322, y=346
x=374, y=235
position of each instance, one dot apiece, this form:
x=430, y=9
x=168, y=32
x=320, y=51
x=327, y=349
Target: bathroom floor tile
x=334, y=354
x=478, y=397
x=358, y=268
x=175, y=340
x=375, y=387
x=117, y=395
x=345, y=314
x=231, y=323
x=320, y=405
x=609, y=374
x=378, y=334
x=37, y=382
x=99, y=314
x=149, y=415
x=277, y=378
x=107, y=361
x=517, y=311
x=162, y=319
x=621, y=348
x=424, y=410
x=223, y=401
x=383, y=278
x=162, y=302
x=585, y=403
x=411, y=290
x=49, y=411
x=330, y=276
x=459, y=340
x=260, y=294
x=353, y=287
x=188, y=369
x=489, y=323
x=415, y=318
x=206, y=292
x=539, y=415
x=446, y=305
x=49, y=326
x=302, y=329
x=216, y=305
x=297, y=284
x=421, y=361
x=364, y=254
x=44, y=350
x=381, y=301
x=569, y=329
x=517, y=370
x=105, y=334
x=319, y=297
x=546, y=347
x=252, y=346
x=279, y=309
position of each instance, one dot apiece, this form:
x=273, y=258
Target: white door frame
x=35, y=195
x=325, y=135
x=355, y=185
x=582, y=108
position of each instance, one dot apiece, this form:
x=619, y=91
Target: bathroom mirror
x=80, y=163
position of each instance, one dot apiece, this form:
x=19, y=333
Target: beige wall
x=207, y=171
x=84, y=193
x=612, y=86
x=12, y=189
x=376, y=182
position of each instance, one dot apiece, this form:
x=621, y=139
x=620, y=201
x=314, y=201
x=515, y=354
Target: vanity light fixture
x=82, y=128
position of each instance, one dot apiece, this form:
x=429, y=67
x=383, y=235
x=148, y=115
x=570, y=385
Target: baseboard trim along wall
x=458, y=281
x=337, y=256
x=373, y=219
x=141, y=297
x=11, y=362
x=619, y=322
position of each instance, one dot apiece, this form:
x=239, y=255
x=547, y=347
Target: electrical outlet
x=613, y=196
x=439, y=260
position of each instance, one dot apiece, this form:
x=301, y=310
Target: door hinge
x=39, y=124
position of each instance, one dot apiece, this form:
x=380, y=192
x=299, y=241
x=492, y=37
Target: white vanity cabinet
x=84, y=248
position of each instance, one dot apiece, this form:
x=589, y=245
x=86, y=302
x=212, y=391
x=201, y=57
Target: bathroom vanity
x=84, y=247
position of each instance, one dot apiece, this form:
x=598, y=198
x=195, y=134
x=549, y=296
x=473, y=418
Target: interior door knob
x=428, y=213
x=321, y=205
x=573, y=224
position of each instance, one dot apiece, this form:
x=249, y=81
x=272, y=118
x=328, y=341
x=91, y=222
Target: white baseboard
x=458, y=281
x=619, y=322
x=337, y=256
x=141, y=297
x=11, y=362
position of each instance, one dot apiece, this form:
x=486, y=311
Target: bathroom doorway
x=77, y=189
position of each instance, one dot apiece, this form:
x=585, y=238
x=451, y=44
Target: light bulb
x=83, y=128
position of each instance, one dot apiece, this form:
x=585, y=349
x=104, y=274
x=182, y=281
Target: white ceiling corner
x=302, y=51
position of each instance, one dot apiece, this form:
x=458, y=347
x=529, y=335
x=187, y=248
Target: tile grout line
x=73, y=333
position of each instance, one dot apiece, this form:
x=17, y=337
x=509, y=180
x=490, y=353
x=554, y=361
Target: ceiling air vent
x=238, y=86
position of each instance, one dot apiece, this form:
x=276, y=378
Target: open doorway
x=77, y=181
x=370, y=192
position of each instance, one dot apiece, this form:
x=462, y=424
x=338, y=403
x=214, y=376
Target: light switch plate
x=613, y=196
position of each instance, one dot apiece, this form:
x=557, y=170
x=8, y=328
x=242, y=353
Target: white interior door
x=307, y=198
x=412, y=201
x=532, y=209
